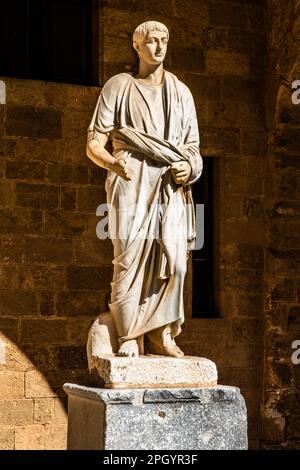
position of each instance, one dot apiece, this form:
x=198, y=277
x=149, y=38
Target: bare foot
x=129, y=349
x=164, y=344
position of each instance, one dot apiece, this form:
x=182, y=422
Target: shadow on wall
x=54, y=272
x=33, y=406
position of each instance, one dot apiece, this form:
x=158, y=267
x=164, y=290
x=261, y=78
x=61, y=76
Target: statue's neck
x=153, y=74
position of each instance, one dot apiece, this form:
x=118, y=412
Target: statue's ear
x=136, y=46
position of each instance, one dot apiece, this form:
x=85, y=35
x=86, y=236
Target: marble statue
x=151, y=120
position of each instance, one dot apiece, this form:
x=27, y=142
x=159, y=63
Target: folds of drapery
x=150, y=244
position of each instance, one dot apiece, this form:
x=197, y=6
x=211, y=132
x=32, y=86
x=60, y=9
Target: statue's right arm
x=96, y=151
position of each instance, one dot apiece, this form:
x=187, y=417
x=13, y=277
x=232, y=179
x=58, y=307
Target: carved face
x=153, y=48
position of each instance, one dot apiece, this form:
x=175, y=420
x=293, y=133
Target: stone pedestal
x=156, y=371
x=156, y=419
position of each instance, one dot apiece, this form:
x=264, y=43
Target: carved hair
x=145, y=28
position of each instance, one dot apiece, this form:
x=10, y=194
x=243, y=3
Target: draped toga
x=151, y=219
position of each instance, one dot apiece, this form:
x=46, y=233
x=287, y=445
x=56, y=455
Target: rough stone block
x=249, y=304
x=6, y=194
x=8, y=276
x=285, y=235
x=227, y=113
x=9, y=327
x=222, y=14
x=287, y=161
x=232, y=208
x=43, y=358
x=75, y=149
x=15, y=359
x=97, y=175
x=17, y=302
x=46, y=249
x=37, y=386
x=284, y=290
x=68, y=198
x=81, y=303
x=7, y=438
x=247, y=330
x=254, y=143
x=273, y=428
x=256, y=15
x=43, y=410
x=20, y=221
x=228, y=63
x=37, y=196
x=75, y=123
x=184, y=418
x=43, y=331
x=78, y=330
x=25, y=170
x=41, y=277
x=67, y=173
x=92, y=251
x=46, y=303
x=12, y=385
x=293, y=321
x=40, y=149
x=90, y=198
x=29, y=437
x=216, y=142
x=2, y=169
x=72, y=357
x=288, y=138
x=7, y=148
x=253, y=208
x=89, y=277
x=244, y=185
x=56, y=437
x=16, y=412
x=189, y=59
x=31, y=122
x=241, y=232
x=60, y=411
x=25, y=92
x=278, y=374
x=62, y=95
x=156, y=371
x=65, y=224
x=118, y=50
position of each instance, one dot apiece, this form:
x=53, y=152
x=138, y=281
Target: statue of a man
x=151, y=119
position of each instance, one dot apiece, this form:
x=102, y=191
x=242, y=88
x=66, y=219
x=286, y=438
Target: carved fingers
x=119, y=167
x=180, y=172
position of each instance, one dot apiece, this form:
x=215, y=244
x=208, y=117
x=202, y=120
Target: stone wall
x=55, y=272
x=281, y=424
x=218, y=49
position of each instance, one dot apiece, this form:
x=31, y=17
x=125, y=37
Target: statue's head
x=150, y=40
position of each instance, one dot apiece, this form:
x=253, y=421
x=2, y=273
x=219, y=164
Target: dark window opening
x=52, y=40
x=203, y=304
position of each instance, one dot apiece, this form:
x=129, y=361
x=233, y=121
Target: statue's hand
x=181, y=172
x=119, y=167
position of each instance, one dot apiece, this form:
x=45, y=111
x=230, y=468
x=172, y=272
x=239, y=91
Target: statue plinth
x=156, y=372
x=210, y=418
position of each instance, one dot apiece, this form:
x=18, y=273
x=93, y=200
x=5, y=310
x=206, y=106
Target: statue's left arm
x=189, y=171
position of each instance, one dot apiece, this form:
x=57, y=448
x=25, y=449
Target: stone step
x=156, y=371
